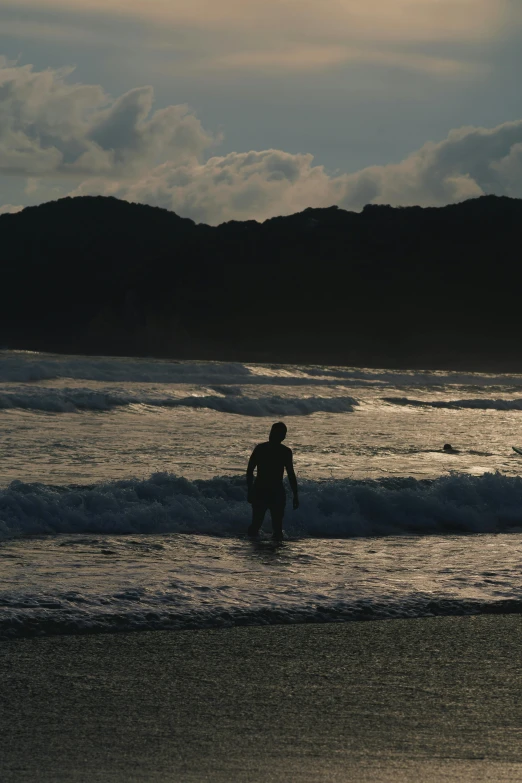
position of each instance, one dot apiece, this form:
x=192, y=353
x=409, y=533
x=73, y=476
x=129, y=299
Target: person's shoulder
x=286, y=450
x=262, y=446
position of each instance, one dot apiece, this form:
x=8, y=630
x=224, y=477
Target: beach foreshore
x=432, y=699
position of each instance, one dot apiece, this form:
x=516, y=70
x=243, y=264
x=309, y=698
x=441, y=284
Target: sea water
x=123, y=498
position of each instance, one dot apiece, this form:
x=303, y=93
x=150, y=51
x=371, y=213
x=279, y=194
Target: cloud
x=286, y=35
x=303, y=58
x=49, y=126
x=9, y=209
x=405, y=20
x=237, y=186
x=54, y=31
x=469, y=162
x=52, y=130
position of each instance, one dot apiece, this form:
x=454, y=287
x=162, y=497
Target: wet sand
x=403, y=700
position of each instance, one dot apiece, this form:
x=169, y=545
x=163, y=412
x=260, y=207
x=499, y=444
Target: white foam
x=53, y=619
x=416, y=378
x=108, y=583
x=484, y=404
x=331, y=509
x=26, y=366
x=73, y=400
x=16, y=366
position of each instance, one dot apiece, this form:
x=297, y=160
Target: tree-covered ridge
x=387, y=285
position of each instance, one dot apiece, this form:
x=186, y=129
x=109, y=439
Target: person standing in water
x=266, y=490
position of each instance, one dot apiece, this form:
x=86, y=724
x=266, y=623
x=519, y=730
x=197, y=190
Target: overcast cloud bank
x=54, y=129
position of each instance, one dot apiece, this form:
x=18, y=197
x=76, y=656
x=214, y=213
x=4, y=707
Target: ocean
x=123, y=496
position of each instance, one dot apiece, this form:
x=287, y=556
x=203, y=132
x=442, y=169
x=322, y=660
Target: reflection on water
x=110, y=582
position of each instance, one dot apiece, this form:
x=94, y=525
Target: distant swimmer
x=448, y=448
x=266, y=490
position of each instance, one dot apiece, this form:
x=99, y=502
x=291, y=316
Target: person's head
x=278, y=432
x=448, y=447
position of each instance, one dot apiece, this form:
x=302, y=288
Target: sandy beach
x=431, y=699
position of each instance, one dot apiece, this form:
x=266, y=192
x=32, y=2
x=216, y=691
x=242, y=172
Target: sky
x=243, y=109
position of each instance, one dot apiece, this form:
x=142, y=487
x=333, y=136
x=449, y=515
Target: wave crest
x=28, y=366
x=343, y=508
x=485, y=405
x=75, y=620
x=25, y=366
x=77, y=399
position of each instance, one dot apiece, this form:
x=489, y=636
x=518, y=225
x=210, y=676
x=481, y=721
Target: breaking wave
x=22, y=366
x=485, y=405
x=343, y=508
x=417, y=378
x=76, y=399
x=25, y=621
x=27, y=366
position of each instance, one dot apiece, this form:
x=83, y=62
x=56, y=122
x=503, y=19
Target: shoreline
x=398, y=700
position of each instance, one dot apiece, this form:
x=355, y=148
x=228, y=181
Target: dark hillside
x=401, y=286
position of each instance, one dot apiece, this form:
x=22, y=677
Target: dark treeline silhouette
x=388, y=286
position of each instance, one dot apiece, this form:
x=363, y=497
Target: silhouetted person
x=266, y=491
x=448, y=448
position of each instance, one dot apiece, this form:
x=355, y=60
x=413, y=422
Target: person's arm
x=252, y=463
x=292, y=478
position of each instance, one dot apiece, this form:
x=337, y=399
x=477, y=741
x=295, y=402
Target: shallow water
x=79, y=584
x=118, y=466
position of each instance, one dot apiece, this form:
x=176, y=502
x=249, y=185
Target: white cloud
x=51, y=130
x=468, y=163
x=237, y=186
x=49, y=126
x=8, y=209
